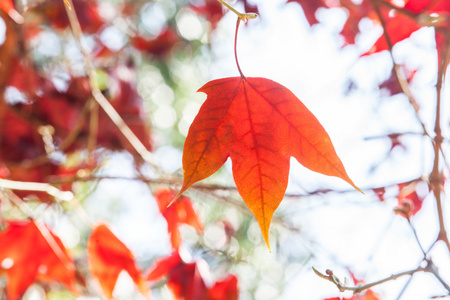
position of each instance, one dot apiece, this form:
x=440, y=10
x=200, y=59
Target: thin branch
x=100, y=98
x=401, y=78
x=175, y=180
x=357, y=289
x=408, y=282
x=400, y=75
x=93, y=126
x=6, y=185
x=435, y=176
x=397, y=134
x=416, y=236
x=14, y=199
x=37, y=187
x=431, y=267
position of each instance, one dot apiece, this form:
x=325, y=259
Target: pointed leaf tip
x=259, y=124
x=177, y=196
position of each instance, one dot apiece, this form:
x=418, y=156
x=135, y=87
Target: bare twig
x=401, y=78
x=435, y=176
x=357, y=289
x=416, y=236
x=6, y=185
x=431, y=267
x=37, y=187
x=397, y=134
x=93, y=126
x=14, y=199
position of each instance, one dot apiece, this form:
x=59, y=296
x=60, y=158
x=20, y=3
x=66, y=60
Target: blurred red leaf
x=180, y=212
x=163, y=266
x=55, y=13
x=356, y=12
x=429, y=6
x=227, y=289
x=398, y=27
x=250, y=8
x=186, y=282
x=34, y=253
x=212, y=10
x=183, y=279
x=160, y=46
x=24, y=78
x=107, y=257
x=409, y=201
x=380, y=193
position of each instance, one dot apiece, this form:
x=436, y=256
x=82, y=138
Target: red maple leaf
x=29, y=251
x=181, y=212
x=107, y=257
x=259, y=124
x=186, y=282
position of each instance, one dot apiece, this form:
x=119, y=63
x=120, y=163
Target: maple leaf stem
x=242, y=16
x=235, y=48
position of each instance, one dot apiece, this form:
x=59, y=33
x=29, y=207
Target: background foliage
x=83, y=199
